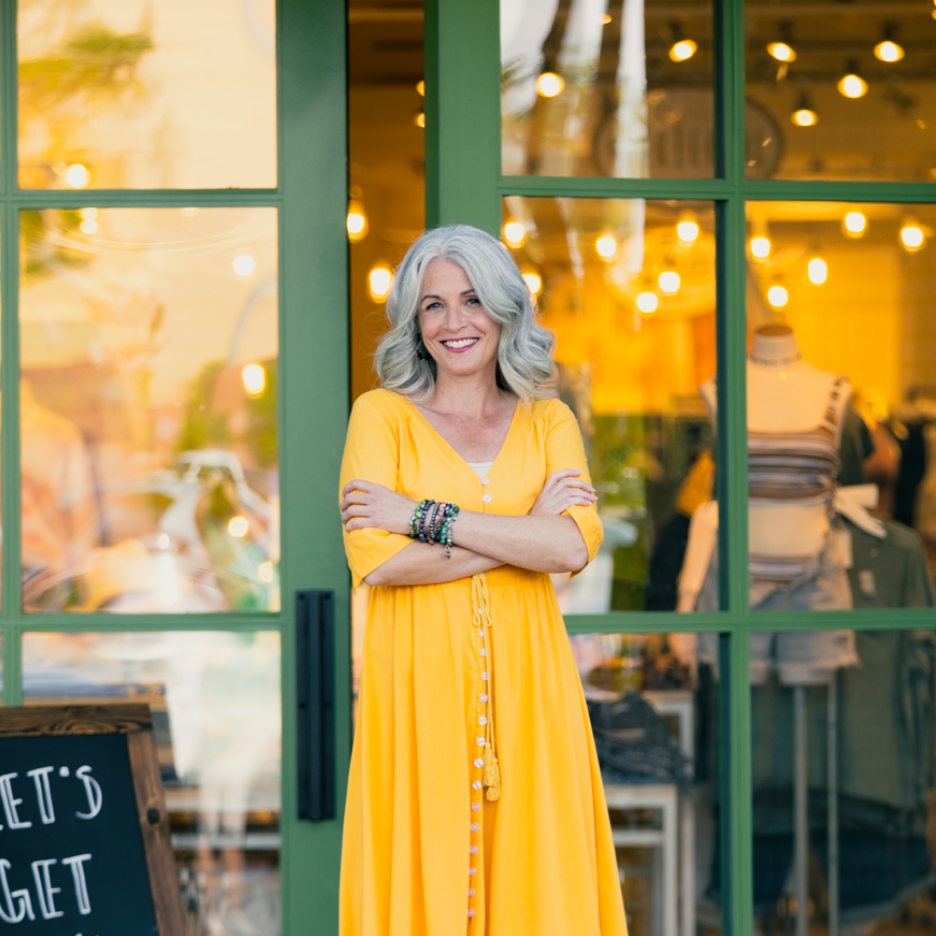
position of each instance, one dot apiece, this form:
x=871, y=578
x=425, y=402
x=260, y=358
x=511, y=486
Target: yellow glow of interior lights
x=606, y=246
x=514, y=234
x=356, y=222
x=533, y=280
x=852, y=86
x=782, y=52
x=379, y=281
x=855, y=224
x=760, y=247
x=804, y=117
x=683, y=50
x=687, y=231
x=238, y=526
x=253, y=377
x=88, y=226
x=606, y=18
x=669, y=282
x=912, y=237
x=420, y=119
x=77, y=176
x=888, y=51
x=244, y=265
x=265, y=572
x=421, y=88
x=778, y=297
x=549, y=84
x=647, y=302
x=817, y=270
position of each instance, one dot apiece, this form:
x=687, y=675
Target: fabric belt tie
x=481, y=601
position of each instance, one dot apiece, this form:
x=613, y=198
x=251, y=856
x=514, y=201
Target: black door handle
x=315, y=697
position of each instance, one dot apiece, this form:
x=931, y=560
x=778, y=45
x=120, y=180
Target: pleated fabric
x=425, y=852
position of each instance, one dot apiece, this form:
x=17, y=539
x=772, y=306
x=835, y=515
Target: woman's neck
x=471, y=395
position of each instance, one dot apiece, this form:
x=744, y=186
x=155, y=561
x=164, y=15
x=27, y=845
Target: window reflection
x=130, y=94
x=628, y=288
x=843, y=774
x=148, y=400
x=216, y=715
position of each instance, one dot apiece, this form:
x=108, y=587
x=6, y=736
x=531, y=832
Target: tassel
x=491, y=775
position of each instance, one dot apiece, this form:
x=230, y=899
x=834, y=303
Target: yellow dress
x=425, y=852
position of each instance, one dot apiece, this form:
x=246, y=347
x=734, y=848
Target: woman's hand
x=563, y=490
x=372, y=506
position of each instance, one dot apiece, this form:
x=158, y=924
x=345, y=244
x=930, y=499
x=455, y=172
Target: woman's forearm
x=422, y=564
x=540, y=543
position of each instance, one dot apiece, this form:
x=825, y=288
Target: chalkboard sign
x=84, y=835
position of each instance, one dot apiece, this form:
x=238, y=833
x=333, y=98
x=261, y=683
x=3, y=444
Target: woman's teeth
x=460, y=343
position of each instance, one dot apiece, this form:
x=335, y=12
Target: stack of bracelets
x=432, y=523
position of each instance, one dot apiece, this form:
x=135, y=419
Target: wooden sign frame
x=135, y=723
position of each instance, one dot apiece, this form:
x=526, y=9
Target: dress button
x=482, y=720
x=471, y=912
x=475, y=807
x=472, y=871
x=478, y=761
x=484, y=697
x=473, y=849
x=471, y=892
x=476, y=785
x=483, y=651
x=485, y=480
x=475, y=827
x=481, y=742
x=487, y=498
x=484, y=675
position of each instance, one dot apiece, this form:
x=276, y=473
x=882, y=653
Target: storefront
x=721, y=208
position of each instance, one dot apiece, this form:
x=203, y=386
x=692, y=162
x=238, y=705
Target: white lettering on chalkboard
x=43, y=793
x=10, y=802
x=92, y=790
x=23, y=908
x=81, y=885
x=44, y=889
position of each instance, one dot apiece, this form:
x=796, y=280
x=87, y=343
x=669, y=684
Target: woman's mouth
x=458, y=345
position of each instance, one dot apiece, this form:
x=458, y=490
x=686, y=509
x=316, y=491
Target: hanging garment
x=447, y=670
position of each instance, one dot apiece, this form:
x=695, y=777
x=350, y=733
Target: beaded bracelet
x=418, y=520
x=445, y=528
x=439, y=513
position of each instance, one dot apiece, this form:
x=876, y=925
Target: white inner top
x=480, y=468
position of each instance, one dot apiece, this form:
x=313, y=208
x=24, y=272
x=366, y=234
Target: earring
x=421, y=351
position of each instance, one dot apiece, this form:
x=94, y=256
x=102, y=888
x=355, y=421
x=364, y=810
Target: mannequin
x=785, y=394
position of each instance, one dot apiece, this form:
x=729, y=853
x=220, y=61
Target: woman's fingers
x=358, y=484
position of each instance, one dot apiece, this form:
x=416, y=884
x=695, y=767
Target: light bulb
x=379, y=281
x=855, y=224
x=778, y=297
x=419, y=118
x=782, y=51
x=356, y=222
x=253, y=377
x=421, y=88
x=804, y=117
x=817, y=270
x=88, y=226
x=669, y=282
x=687, y=231
x=912, y=237
x=852, y=86
x=238, y=526
x=244, y=265
x=760, y=247
x=77, y=176
x=514, y=234
x=265, y=572
x=889, y=51
x=533, y=280
x=549, y=84
x=647, y=302
x=606, y=18
x=683, y=50
x=606, y=246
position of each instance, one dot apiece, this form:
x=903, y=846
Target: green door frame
x=313, y=366
x=465, y=185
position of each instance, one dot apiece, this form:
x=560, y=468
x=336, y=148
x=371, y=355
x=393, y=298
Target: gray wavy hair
x=524, y=355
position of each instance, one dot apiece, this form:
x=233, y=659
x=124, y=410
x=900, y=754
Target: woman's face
x=457, y=332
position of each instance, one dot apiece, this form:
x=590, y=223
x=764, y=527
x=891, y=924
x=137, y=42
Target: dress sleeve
x=564, y=449
x=372, y=453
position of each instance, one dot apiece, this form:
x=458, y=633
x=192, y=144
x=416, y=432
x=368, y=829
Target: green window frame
x=464, y=184
x=313, y=341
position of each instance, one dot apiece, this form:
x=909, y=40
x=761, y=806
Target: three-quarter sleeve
x=564, y=449
x=372, y=453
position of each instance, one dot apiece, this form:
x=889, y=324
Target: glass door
x=174, y=395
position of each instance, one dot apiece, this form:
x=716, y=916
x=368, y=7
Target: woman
x=475, y=802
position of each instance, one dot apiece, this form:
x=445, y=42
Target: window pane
x=133, y=94
x=840, y=91
x=607, y=88
x=654, y=711
x=148, y=342
x=841, y=405
x=628, y=288
x=843, y=774
x=215, y=699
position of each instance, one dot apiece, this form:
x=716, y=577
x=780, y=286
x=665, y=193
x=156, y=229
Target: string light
x=851, y=84
x=419, y=118
x=804, y=115
x=514, y=234
x=683, y=50
x=356, y=222
x=244, y=265
x=533, y=280
x=888, y=51
x=253, y=376
x=687, y=231
x=77, y=176
x=760, y=247
x=912, y=237
x=782, y=51
x=606, y=246
x=606, y=18
x=421, y=88
x=549, y=84
x=379, y=281
x=817, y=271
x=669, y=282
x=778, y=297
x=238, y=526
x=647, y=302
x=854, y=224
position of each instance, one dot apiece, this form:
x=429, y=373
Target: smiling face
x=458, y=333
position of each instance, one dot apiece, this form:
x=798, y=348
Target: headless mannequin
x=784, y=394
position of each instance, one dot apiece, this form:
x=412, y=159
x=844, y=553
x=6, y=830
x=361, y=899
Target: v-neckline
x=461, y=458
